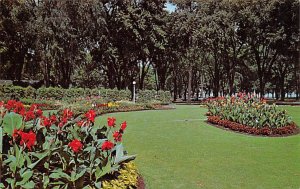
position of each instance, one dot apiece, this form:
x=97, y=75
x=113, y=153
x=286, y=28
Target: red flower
x=29, y=116
x=63, y=121
x=46, y=122
x=10, y=104
x=118, y=136
x=67, y=113
x=19, y=108
x=123, y=126
x=107, y=145
x=111, y=121
x=53, y=119
x=75, y=145
x=39, y=113
x=33, y=107
x=90, y=115
x=28, y=139
x=80, y=123
x=16, y=133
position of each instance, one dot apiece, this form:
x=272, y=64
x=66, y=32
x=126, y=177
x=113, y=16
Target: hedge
x=56, y=93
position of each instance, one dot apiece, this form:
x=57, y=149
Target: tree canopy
x=212, y=46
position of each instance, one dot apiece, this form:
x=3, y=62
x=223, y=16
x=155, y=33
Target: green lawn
x=177, y=149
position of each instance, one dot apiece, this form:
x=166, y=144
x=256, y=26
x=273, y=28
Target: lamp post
x=133, y=91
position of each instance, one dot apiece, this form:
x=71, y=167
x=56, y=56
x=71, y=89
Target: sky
x=170, y=7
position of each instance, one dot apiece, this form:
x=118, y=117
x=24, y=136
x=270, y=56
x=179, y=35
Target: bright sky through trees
x=170, y=7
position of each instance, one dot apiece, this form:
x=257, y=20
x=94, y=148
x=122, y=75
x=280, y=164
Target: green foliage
x=64, y=151
x=43, y=94
x=50, y=93
x=151, y=96
x=249, y=111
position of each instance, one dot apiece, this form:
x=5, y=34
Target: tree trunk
x=175, y=89
x=282, y=89
x=190, y=85
x=261, y=86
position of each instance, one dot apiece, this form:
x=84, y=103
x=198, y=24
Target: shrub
x=58, y=150
x=74, y=94
x=30, y=92
x=159, y=97
x=50, y=93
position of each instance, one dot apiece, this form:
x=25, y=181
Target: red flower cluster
x=53, y=118
x=289, y=129
x=15, y=106
x=47, y=122
x=117, y=136
x=67, y=115
x=75, y=145
x=102, y=105
x=80, y=123
x=111, y=122
x=27, y=139
x=107, y=145
x=90, y=115
x=29, y=116
x=18, y=107
x=123, y=126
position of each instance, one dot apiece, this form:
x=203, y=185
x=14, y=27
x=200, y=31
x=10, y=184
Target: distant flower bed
x=60, y=150
x=248, y=114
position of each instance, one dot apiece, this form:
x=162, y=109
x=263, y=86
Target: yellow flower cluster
x=112, y=104
x=128, y=178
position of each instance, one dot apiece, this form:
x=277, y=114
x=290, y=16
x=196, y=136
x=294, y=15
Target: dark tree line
x=216, y=45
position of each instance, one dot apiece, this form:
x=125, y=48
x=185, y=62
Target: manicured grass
x=177, y=149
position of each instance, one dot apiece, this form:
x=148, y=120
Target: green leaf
x=120, y=157
x=46, y=180
x=41, y=156
x=59, y=174
x=11, y=121
x=99, y=173
x=29, y=185
x=98, y=185
x=25, y=177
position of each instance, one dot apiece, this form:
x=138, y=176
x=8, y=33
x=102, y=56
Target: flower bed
x=103, y=108
x=251, y=115
x=61, y=150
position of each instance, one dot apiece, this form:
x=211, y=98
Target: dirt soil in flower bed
x=141, y=183
x=294, y=131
